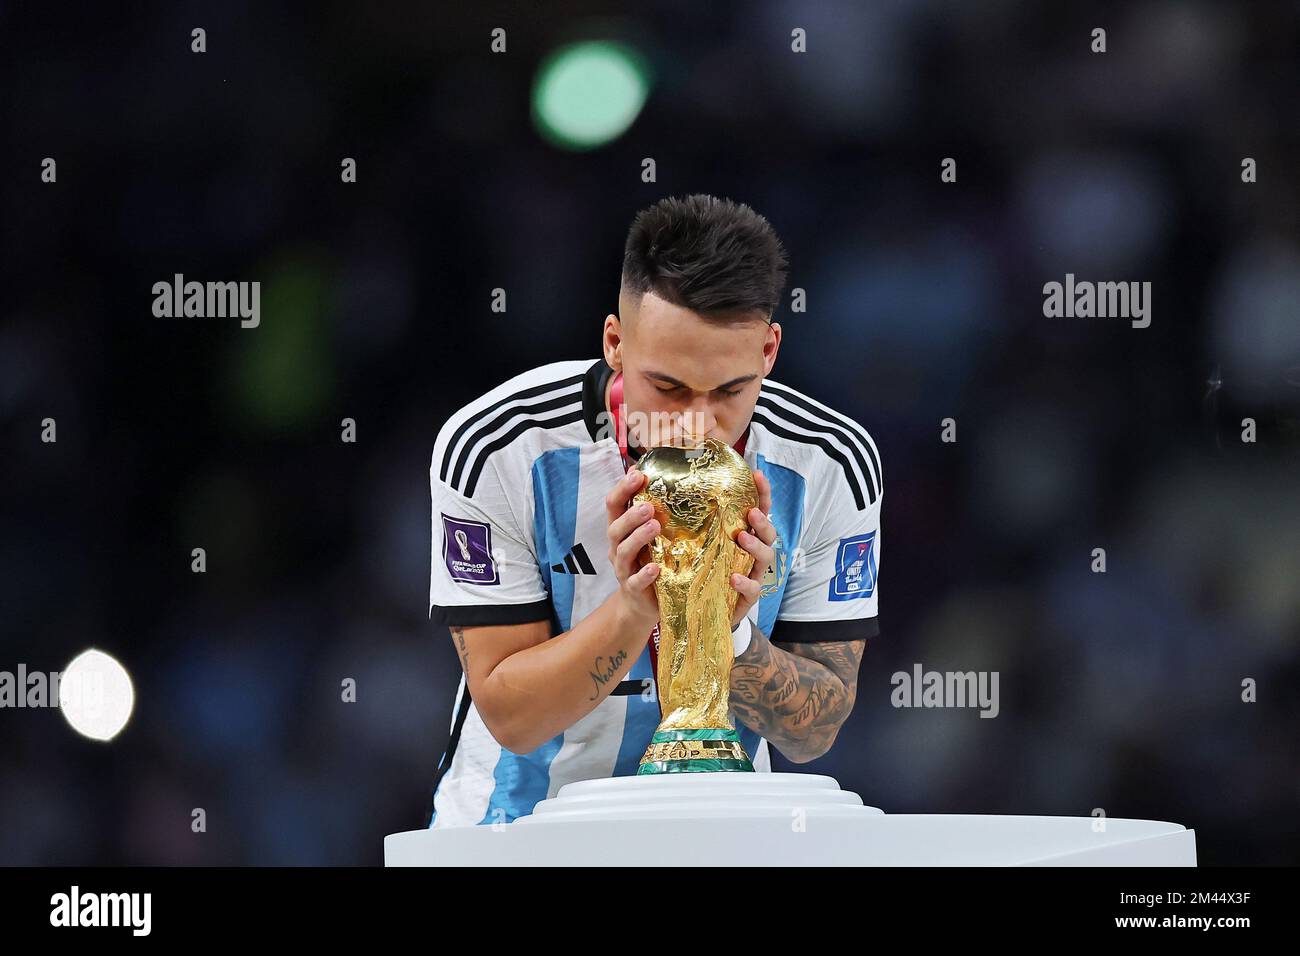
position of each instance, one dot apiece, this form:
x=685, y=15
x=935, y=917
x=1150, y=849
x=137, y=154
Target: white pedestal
x=777, y=819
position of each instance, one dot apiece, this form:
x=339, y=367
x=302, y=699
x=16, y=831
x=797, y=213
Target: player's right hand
x=630, y=532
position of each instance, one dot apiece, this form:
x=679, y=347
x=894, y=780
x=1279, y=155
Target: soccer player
x=542, y=572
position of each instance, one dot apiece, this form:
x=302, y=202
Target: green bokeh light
x=587, y=94
x=281, y=374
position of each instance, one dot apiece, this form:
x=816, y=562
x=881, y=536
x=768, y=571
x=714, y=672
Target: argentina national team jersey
x=518, y=482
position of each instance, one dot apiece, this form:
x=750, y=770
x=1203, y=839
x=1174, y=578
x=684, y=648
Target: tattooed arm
x=530, y=686
x=797, y=695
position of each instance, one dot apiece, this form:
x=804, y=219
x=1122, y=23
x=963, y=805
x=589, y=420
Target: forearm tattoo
x=462, y=649
x=603, y=671
x=797, y=695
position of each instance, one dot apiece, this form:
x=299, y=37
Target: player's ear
x=771, y=346
x=612, y=342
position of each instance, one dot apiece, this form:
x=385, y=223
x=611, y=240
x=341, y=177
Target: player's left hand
x=758, y=542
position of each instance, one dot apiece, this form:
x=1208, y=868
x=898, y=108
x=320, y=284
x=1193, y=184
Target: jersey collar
x=594, y=415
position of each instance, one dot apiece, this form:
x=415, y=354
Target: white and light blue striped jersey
x=518, y=482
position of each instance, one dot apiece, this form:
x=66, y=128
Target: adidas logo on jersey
x=575, y=562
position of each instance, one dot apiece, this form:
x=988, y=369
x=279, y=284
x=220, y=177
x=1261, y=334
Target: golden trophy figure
x=701, y=496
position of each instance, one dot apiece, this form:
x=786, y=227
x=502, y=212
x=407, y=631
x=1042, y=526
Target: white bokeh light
x=96, y=695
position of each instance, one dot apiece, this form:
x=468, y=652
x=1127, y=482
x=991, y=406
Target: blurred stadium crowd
x=1120, y=691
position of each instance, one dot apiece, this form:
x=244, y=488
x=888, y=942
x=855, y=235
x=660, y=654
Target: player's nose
x=698, y=419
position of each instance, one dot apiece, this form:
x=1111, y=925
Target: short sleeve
x=833, y=590
x=483, y=567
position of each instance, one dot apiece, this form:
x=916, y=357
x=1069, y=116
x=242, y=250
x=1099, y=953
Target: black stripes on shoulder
x=461, y=469
x=825, y=446
x=774, y=412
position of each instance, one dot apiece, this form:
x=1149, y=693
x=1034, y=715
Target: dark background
x=1119, y=691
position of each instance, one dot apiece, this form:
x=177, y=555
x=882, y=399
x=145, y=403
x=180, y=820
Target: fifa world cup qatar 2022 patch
x=855, y=568
x=467, y=550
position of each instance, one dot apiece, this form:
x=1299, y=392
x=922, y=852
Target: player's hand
x=758, y=542
x=630, y=532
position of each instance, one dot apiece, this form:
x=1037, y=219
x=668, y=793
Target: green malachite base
x=693, y=766
x=690, y=757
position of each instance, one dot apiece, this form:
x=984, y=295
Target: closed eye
x=730, y=393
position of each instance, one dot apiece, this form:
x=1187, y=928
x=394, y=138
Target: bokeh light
x=589, y=93
x=96, y=695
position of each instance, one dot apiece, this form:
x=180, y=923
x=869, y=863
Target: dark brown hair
x=705, y=254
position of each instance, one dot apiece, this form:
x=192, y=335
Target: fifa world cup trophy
x=701, y=494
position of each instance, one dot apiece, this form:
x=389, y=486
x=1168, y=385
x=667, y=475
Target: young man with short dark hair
x=541, y=570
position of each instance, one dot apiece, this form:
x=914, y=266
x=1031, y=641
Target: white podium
x=777, y=819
